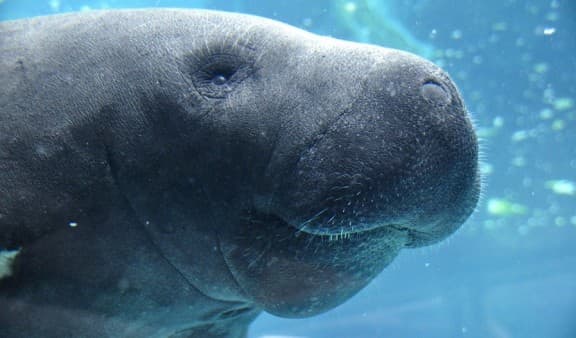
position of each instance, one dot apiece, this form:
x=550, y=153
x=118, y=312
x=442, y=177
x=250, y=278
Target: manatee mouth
x=319, y=226
x=413, y=236
x=325, y=225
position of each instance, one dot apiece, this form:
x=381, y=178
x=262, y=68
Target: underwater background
x=511, y=270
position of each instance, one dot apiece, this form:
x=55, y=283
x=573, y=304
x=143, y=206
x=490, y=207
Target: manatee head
x=355, y=152
x=311, y=160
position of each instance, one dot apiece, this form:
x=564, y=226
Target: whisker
x=303, y=224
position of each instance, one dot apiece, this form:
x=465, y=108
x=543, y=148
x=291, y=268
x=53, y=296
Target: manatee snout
x=403, y=155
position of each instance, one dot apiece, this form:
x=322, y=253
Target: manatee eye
x=219, y=74
x=219, y=79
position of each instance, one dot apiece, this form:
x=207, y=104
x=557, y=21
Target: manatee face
x=347, y=154
x=260, y=166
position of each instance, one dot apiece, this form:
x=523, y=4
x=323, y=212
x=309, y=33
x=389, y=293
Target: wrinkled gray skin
x=216, y=165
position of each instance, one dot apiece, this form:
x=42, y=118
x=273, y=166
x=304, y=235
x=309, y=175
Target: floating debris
x=54, y=5
x=350, y=7
x=546, y=114
x=563, y=103
x=549, y=30
x=498, y=122
x=499, y=26
x=558, y=125
x=519, y=161
x=502, y=207
x=560, y=221
x=456, y=34
x=541, y=68
x=520, y=135
x=562, y=187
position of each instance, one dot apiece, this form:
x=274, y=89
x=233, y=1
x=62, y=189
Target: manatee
x=173, y=173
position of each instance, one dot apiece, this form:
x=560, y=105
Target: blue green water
x=511, y=270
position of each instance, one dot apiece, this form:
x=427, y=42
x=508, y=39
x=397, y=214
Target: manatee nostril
x=435, y=93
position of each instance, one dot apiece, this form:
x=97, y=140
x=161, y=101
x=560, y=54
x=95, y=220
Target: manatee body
x=172, y=173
